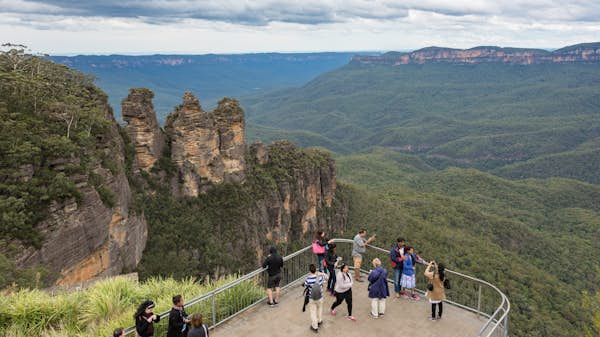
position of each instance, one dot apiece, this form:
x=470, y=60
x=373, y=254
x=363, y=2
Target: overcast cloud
x=187, y=26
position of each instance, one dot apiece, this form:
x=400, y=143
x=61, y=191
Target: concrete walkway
x=403, y=318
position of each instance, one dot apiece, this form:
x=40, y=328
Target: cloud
x=261, y=12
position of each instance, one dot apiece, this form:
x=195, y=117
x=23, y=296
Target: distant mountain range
x=210, y=77
x=585, y=52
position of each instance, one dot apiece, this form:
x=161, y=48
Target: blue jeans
x=320, y=259
x=331, y=281
x=397, y=276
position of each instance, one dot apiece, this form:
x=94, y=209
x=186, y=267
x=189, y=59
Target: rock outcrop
x=142, y=127
x=207, y=147
x=88, y=238
x=582, y=53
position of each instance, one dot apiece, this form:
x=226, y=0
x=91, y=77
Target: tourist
x=396, y=257
x=145, y=319
x=436, y=293
x=343, y=291
x=378, y=289
x=178, y=319
x=314, y=291
x=198, y=328
x=119, y=332
x=273, y=263
x=330, y=261
x=359, y=247
x=319, y=247
x=409, y=279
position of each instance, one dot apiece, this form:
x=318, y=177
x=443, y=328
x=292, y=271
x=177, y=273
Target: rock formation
x=586, y=53
x=88, y=238
x=207, y=147
x=142, y=127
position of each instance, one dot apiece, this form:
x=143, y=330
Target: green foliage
x=50, y=120
x=484, y=116
x=536, y=239
x=107, y=304
x=29, y=277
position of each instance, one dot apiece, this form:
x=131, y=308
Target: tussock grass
x=110, y=303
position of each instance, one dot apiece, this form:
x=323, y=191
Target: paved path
x=403, y=318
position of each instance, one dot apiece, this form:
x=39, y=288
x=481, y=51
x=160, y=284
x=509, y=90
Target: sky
x=67, y=27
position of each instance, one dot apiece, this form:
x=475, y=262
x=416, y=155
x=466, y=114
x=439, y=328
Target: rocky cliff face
x=87, y=238
x=206, y=147
x=587, y=53
x=142, y=127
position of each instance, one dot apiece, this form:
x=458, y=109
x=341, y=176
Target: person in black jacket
x=330, y=261
x=273, y=263
x=145, y=319
x=178, y=319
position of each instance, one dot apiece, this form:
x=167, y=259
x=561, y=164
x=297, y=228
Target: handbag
x=430, y=287
x=447, y=284
x=317, y=248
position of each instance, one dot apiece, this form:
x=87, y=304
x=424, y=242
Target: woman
x=409, y=280
x=198, y=328
x=436, y=274
x=320, y=248
x=330, y=261
x=343, y=291
x=145, y=319
x=378, y=289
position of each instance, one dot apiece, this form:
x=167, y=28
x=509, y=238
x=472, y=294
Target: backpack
x=315, y=292
x=317, y=248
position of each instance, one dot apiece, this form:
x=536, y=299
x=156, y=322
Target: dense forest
x=536, y=239
x=518, y=121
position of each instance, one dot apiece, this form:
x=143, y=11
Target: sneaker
x=319, y=324
x=381, y=315
x=405, y=296
x=314, y=330
x=333, y=313
x=431, y=318
x=439, y=317
x=275, y=302
x=352, y=318
x=271, y=304
x=373, y=316
x=416, y=297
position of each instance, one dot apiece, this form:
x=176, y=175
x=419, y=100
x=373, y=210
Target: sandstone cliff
x=142, y=127
x=587, y=53
x=88, y=238
x=206, y=147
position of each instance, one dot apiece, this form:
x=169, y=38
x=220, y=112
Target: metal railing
x=228, y=301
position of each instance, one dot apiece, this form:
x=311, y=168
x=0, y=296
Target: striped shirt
x=312, y=279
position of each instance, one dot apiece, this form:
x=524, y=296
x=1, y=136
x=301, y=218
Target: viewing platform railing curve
x=230, y=300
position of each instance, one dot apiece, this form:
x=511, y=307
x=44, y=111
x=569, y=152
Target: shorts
x=273, y=281
x=408, y=282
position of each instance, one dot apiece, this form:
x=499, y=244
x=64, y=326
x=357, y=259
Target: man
x=178, y=319
x=359, y=247
x=273, y=263
x=119, y=332
x=397, y=256
x=314, y=286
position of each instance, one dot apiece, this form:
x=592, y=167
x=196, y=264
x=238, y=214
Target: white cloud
x=225, y=26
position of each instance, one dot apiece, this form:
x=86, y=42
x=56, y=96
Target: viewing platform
x=404, y=316
x=474, y=308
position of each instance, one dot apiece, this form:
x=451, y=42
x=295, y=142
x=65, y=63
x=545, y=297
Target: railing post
x=214, y=312
x=506, y=326
x=479, y=301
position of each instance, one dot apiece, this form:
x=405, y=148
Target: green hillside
x=485, y=116
x=538, y=240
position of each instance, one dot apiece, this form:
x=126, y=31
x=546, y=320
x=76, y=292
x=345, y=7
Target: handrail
x=497, y=319
x=504, y=305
